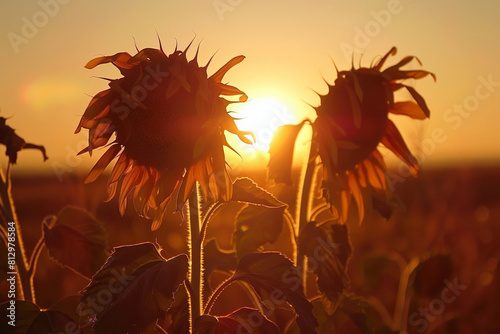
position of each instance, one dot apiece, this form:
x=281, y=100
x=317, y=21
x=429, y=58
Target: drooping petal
x=103, y=163
x=408, y=108
x=97, y=108
x=217, y=76
x=394, y=141
x=120, y=59
x=420, y=100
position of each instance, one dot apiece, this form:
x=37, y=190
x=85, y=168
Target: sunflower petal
x=185, y=189
x=408, y=108
x=120, y=60
x=217, y=76
x=120, y=167
x=394, y=141
x=357, y=193
x=130, y=180
x=98, y=107
x=391, y=52
x=111, y=191
x=419, y=99
x=102, y=163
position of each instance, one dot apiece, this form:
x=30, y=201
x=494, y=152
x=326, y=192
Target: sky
x=289, y=47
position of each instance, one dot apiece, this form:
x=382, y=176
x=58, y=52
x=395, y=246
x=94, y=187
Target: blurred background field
x=449, y=211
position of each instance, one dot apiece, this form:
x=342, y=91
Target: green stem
x=402, y=303
x=24, y=288
x=216, y=294
x=206, y=219
x=196, y=256
x=305, y=208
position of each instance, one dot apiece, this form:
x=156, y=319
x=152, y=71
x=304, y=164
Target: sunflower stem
x=304, y=211
x=24, y=288
x=196, y=268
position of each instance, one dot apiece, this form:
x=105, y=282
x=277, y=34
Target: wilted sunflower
x=352, y=121
x=169, y=119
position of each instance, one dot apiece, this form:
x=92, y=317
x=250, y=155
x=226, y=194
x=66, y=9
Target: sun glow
x=263, y=115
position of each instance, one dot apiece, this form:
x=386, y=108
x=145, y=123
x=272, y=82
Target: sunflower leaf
x=419, y=99
x=217, y=259
x=247, y=191
x=135, y=285
x=281, y=152
x=243, y=320
x=29, y=319
x=256, y=226
x=328, y=250
x=276, y=281
x=76, y=240
x=429, y=276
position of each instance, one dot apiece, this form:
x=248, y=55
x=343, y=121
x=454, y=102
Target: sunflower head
x=353, y=120
x=168, y=118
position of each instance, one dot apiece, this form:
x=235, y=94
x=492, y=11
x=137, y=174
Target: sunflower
x=168, y=119
x=352, y=121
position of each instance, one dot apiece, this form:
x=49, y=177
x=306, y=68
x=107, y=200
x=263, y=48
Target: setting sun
x=263, y=115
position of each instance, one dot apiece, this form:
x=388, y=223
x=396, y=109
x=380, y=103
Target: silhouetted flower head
x=169, y=119
x=353, y=120
x=14, y=143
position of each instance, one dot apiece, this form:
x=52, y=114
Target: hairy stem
x=24, y=288
x=216, y=294
x=196, y=256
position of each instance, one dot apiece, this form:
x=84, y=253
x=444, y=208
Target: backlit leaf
x=216, y=259
x=328, y=250
x=256, y=226
x=244, y=320
x=281, y=152
x=29, y=319
x=136, y=285
x=276, y=281
x=247, y=191
x=429, y=276
x=75, y=239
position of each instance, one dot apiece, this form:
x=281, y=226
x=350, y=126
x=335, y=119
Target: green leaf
x=353, y=315
x=29, y=319
x=177, y=315
x=276, y=281
x=136, y=285
x=256, y=226
x=281, y=152
x=243, y=320
x=76, y=240
x=247, y=191
x=217, y=259
x=429, y=276
x=328, y=250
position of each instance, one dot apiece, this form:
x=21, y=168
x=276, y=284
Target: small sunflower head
x=353, y=120
x=169, y=119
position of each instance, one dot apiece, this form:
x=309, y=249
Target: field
x=454, y=211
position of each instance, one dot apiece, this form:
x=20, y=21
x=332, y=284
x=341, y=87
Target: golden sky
x=289, y=46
